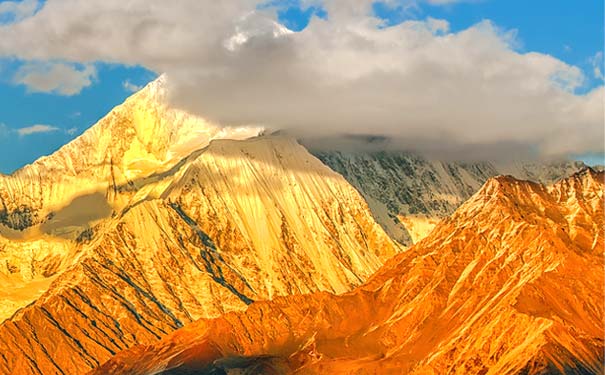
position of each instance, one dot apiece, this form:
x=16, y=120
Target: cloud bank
x=233, y=63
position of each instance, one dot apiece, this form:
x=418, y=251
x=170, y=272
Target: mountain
x=151, y=220
x=511, y=283
x=138, y=138
x=409, y=194
x=222, y=230
x=46, y=206
x=235, y=222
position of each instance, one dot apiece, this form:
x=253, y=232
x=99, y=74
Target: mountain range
x=155, y=221
x=511, y=283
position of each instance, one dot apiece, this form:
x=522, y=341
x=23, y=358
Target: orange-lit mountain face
x=511, y=283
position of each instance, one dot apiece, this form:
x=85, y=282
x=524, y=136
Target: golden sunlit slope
x=144, y=135
x=46, y=206
x=511, y=283
x=235, y=222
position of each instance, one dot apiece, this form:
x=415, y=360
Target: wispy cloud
x=131, y=87
x=59, y=78
x=6, y=131
x=15, y=11
x=597, y=65
x=36, y=129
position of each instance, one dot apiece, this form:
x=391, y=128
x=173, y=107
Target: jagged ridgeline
x=408, y=194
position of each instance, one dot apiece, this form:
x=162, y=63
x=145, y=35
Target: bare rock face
x=409, y=194
x=511, y=283
x=236, y=222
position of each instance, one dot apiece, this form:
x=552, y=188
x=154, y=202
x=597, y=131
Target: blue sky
x=71, y=115
x=572, y=31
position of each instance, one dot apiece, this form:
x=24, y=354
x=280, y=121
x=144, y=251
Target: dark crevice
x=210, y=257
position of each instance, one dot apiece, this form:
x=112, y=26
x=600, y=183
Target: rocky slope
x=235, y=222
x=511, y=283
x=408, y=194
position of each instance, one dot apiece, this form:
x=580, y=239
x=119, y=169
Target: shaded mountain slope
x=408, y=194
x=511, y=283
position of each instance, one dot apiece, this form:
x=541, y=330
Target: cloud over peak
x=233, y=63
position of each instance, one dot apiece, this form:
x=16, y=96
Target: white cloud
x=18, y=10
x=437, y=26
x=597, y=65
x=36, y=129
x=6, y=131
x=234, y=64
x=60, y=78
x=131, y=87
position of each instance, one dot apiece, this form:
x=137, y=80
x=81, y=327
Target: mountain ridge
x=47, y=207
x=522, y=296
x=153, y=219
x=136, y=138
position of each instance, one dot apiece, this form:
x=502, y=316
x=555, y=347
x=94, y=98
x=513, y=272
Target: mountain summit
x=47, y=207
x=140, y=137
